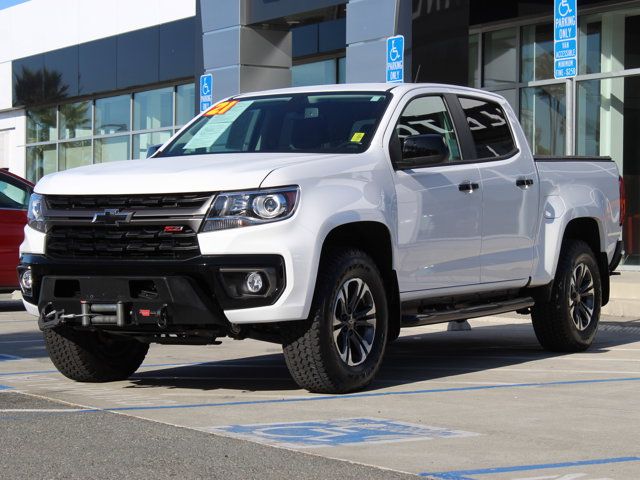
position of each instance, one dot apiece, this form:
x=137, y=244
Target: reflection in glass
x=185, y=103
x=342, y=70
x=111, y=149
x=112, y=115
x=473, y=80
x=316, y=73
x=537, y=52
x=41, y=125
x=41, y=160
x=74, y=154
x=590, y=47
x=143, y=141
x=543, y=118
x=153, y=109
x=632, y=42
x=500, y=57
x=75, y=120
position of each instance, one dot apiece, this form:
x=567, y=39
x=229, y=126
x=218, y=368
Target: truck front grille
x=127, y=242
x=191, y=201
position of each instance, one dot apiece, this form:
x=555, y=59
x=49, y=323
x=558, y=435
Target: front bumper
x=152, y=294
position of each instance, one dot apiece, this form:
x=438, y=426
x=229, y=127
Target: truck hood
x=197, y=173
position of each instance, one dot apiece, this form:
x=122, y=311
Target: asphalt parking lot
x=481, y=404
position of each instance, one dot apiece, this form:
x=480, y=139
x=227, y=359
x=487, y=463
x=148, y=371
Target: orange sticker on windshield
x=220, y=108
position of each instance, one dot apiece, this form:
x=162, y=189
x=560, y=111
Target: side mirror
x=422, y=151
x=151, y=150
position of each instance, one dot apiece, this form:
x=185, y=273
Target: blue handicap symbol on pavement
x=330, y=433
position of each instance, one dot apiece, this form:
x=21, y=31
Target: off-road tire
x=309, y=349
x=92, y=356
x=552, y=320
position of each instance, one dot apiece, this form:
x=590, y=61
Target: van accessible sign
x=395, y=59
x=565, y=45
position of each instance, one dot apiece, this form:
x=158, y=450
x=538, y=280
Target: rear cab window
x=489, y=127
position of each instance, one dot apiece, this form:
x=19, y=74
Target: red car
x=14, y=200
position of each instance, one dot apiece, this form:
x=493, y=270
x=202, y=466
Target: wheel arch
x=374, y=238
x=589, y=230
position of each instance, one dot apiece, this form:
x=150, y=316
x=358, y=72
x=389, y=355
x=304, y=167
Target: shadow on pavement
x=408, y=360
x=23, y=344
x=11, y=306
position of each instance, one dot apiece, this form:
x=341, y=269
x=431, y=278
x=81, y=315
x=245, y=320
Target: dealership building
x=88, y=81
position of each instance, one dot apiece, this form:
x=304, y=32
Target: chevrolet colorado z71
x=324, y=219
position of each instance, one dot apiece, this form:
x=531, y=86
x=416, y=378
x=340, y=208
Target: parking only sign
x=565, y=23
x=206, y=91
x=395, y=59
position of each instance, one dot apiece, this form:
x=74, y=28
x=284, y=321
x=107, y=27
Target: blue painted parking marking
x=4, y=357
x=463, y=474
x=5, y=387
x=332, y=433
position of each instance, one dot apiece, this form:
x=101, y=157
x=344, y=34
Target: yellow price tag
x=357, y=137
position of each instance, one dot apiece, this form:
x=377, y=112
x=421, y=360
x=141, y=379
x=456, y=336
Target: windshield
x=309, y=122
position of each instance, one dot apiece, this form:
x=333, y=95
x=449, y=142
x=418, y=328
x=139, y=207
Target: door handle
x=468, y=187
x=524, y=182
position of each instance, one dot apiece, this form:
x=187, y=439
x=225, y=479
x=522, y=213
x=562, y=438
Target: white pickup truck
x=325, y=219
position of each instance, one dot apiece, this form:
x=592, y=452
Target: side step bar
x=466, y=313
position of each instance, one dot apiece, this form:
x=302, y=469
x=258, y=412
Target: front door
x=439, y=207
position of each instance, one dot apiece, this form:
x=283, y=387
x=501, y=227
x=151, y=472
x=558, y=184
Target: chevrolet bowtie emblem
x=112, y=216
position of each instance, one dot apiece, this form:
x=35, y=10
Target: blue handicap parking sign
x=206, y=91
x=395, y=59
x=565, y=50
x=331, y=433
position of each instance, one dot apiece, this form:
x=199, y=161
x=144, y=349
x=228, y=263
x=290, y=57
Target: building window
x=323, y=72
x=543, y=118
x=104, y=129
x=517, y=62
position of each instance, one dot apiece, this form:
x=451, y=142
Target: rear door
x=509, y=196
x=14, y=198
x=439, y=206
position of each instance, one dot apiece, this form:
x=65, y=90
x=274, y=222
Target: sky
x=10, y=3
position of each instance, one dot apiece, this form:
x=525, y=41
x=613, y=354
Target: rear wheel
x=93, y=356
x=569, y=321
x=339, y=348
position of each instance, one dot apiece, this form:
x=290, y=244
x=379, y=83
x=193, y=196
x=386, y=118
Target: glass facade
x=596, y=113
x=321, y=72
x=105, y=129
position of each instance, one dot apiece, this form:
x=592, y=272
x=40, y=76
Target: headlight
x=242, y=209
x=35, y=214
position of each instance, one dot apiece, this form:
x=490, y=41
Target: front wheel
x=569, y=321
x=339, y=348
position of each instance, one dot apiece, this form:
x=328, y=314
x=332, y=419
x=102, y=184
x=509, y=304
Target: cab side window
x=429, y=115
x=489, y=127
x=13, y=197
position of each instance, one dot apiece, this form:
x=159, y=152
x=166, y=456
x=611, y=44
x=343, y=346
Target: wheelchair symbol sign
x=395, y=59
x=565, y=23
x=564, y=8
x=206, y=91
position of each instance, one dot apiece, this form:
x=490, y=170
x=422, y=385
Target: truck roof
x=367, y=87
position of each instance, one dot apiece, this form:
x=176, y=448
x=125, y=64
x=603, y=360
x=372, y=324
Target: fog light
x=26, y=281
x=253, y=282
